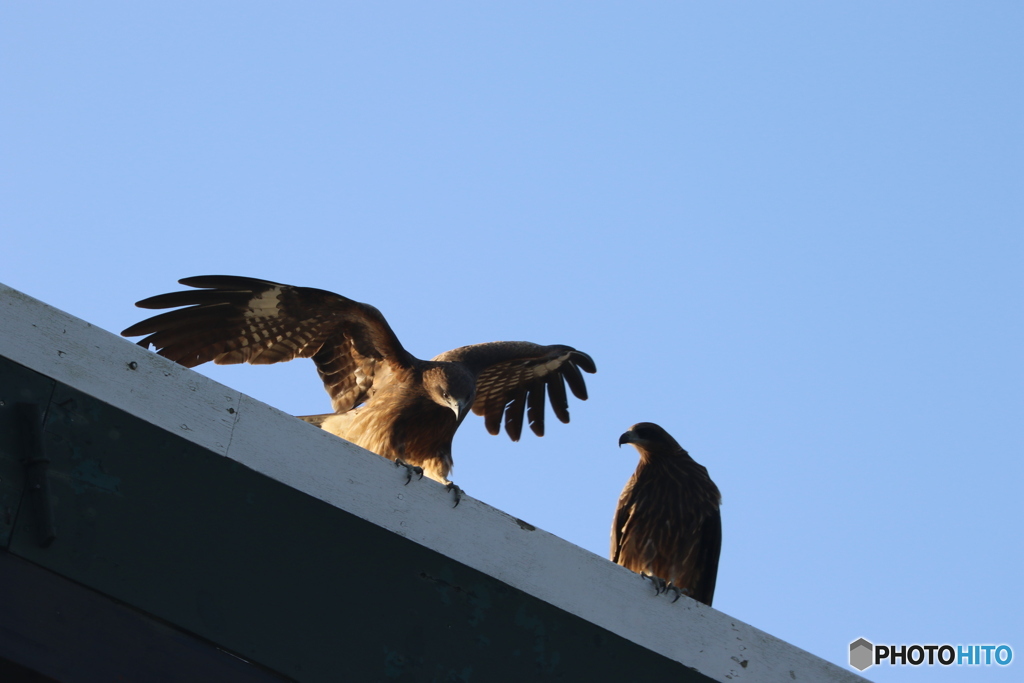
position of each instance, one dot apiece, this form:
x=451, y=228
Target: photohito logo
x=864, y=654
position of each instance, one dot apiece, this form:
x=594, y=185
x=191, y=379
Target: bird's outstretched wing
x=513, y=379
x=231, y=319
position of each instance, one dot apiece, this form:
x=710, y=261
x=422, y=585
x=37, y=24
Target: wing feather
x=622, y=514
x=707, y=561
x=559, y=401
x=575, y=380
x=515, y=377
x=231, y=319
x=514, y=413
x=535, y=409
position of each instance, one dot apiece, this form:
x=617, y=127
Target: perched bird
x=384, y=399
x=668, y=525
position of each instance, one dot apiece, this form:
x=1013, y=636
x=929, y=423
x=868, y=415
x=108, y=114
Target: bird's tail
x=317, y=420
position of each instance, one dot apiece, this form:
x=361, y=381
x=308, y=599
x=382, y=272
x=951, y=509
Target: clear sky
x=790, y=233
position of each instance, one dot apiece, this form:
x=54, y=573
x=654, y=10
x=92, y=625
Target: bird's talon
x=660, y=586
x=409, y=470
x=456, y=492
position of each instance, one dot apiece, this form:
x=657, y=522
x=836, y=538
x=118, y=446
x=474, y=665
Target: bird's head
x=452, y=386
x=650, y=438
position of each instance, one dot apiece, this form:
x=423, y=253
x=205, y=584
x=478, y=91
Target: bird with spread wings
x=384, y=399
x=668, y=525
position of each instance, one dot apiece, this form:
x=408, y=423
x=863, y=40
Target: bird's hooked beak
x=626, y=438
x=460, y=407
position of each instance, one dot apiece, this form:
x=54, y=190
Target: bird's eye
x=645, y=433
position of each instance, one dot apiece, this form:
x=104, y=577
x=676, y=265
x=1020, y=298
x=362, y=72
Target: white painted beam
x=288, y=450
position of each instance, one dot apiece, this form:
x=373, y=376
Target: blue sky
x=789, y=233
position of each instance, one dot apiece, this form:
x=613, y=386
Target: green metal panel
x=17, y=385
x=53, y=629
x=286, y=580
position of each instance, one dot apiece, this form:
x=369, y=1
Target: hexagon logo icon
x=861, y=654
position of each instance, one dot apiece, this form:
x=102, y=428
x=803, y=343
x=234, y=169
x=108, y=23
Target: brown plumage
x=384, y=399
x=667, y=524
